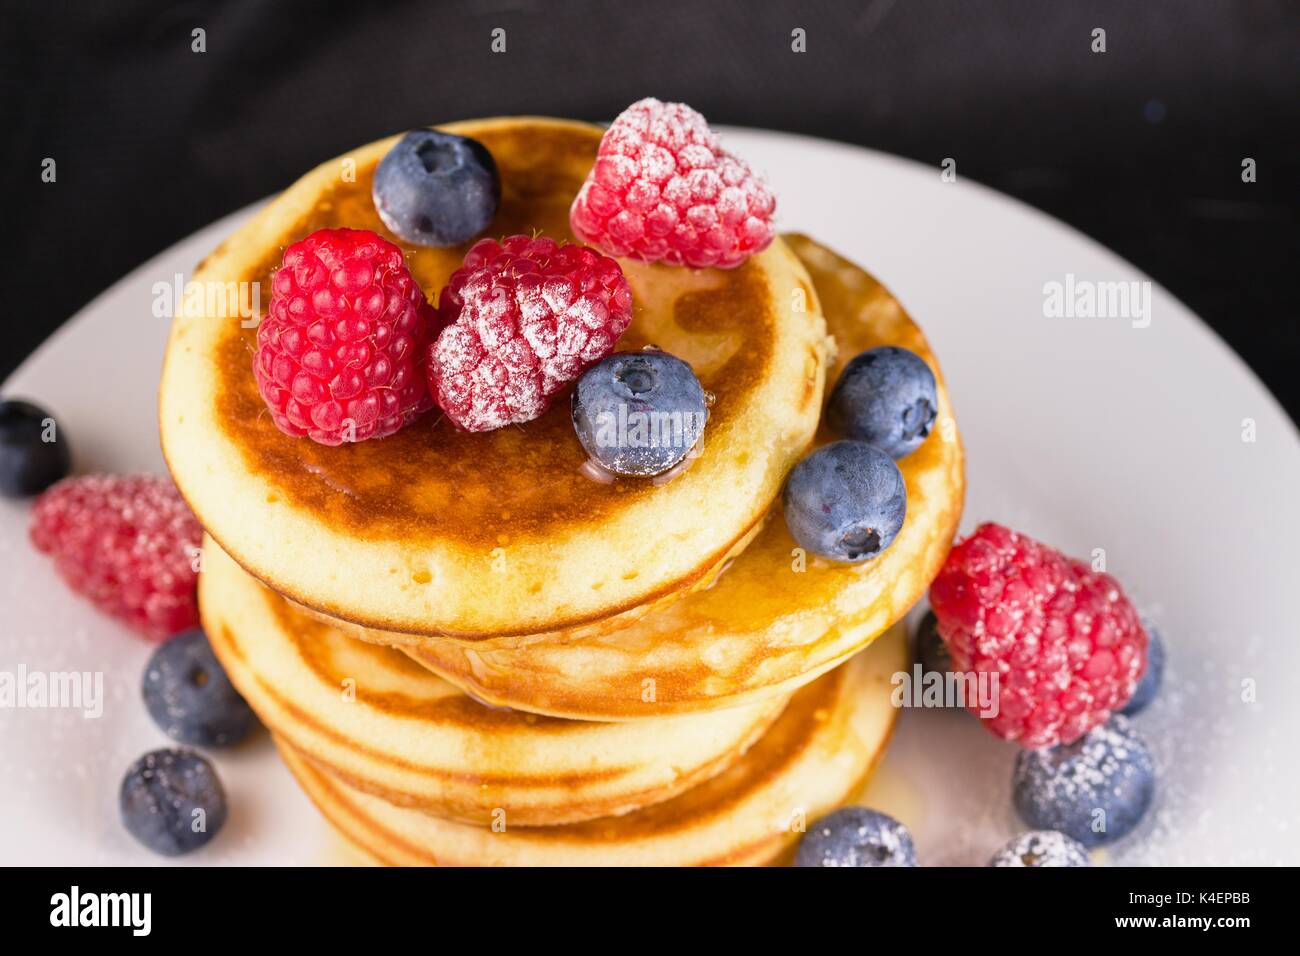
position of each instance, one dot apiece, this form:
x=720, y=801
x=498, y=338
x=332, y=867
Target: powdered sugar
x=524, y=318
x=128, y=543
x=1041, y=848
x=1064, y=642
x=1095, y=789
x=664, y=189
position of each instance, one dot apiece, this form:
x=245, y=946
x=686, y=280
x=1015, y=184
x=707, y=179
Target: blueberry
x=1094, y=790
x=172, y=802
x=887, y=398
x=846, y=501
x=1149, y=685
x=436, y=189
x=856, y=836
x=639, y=413
x=1043, y=848
x=931, y=651
x=33, y=450
x=190, y=697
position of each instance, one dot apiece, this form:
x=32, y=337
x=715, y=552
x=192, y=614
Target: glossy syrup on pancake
x=372, y=717
x=774, y=618
x=405, y=533
x=523, y=481
x=814, y=757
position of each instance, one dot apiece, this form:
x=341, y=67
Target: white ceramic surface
x=1087, y=432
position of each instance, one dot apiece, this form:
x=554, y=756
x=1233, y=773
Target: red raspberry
x=663, y=189
x=339, y=356
x=523, y=318
x=128, y=543
x=1066, y=644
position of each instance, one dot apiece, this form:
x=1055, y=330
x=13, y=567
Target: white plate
x=1088, y=433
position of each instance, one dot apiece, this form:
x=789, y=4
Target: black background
x=1140, y=147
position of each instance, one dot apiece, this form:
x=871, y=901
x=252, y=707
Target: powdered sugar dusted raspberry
x=340, y=355
x=664, y=189
x=1064, y=641
x=126, y=543
x=1042, y=848
x=524, y=317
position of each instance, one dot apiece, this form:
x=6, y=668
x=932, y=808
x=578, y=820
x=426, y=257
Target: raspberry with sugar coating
x=664, y=190
x=523, y=318
x=1065, y=642
x=127, y=543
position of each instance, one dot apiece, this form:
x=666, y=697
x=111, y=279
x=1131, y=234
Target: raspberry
x=1066, y=644
x=339, y=356
x=663, y=189
x=127, y=543
x=523, y=317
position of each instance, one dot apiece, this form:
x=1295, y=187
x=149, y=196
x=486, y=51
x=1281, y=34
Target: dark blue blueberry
x=846, y=501
x=887, y=398
x=639, y=413
x=856, y=836
x=436, y=189
x=1094, y=790
x=190, y=697
x=33, y=450
x=172, y=801
x=1149, y=685
x=1044, y=848
x=931, y=651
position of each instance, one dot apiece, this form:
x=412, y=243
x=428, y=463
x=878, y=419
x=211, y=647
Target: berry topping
x=663, y=189
x=1064, y=642
x=1149, y=685
x=639, y=413
x=126, y=543
x=1094, y=790
x=887, y=398
x=1045, y=848
x=340, y=354
x=172, y=801
x=856, y=836
x=436, y=189
x=523, y=318
x=190, y=697
x=33, y=453
x=846, y=501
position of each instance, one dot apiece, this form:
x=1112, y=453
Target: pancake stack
x=472, y=651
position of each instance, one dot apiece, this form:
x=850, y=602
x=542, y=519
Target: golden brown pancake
x=372, y=717
x=766, y=626
x=812, y=759
x=434, y=531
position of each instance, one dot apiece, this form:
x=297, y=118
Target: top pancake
x=434, y=531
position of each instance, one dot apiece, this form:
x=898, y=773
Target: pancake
x=414, y=740
x=435, y=531
x=812, y=759
x=764, y=628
